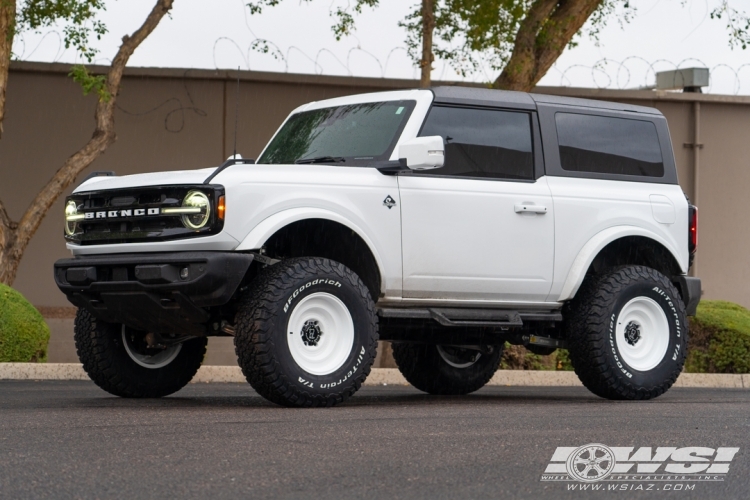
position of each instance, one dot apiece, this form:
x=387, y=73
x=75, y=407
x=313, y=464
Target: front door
x=480, y=228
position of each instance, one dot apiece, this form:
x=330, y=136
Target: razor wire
x=631, y=73
x=608, y=73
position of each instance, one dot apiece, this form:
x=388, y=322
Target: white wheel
x=328, y=318
x=320, y=333
x=627, y=333
x=149, y=358
x=642, y=333
x=458, y=357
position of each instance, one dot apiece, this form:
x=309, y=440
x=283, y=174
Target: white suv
x=448, y=221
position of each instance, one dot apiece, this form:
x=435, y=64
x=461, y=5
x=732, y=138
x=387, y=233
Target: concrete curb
x=378, y=376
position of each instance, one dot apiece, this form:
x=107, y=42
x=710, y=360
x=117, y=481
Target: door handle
x=520, y=208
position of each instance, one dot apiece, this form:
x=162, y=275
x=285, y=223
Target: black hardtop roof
x=474, y=96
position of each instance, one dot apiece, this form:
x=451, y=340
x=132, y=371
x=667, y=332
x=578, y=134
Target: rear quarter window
x=608, y=145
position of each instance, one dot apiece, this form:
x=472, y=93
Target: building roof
x=378, y=83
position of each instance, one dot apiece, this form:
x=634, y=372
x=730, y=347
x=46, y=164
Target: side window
x=608, y=145
x=482, y=142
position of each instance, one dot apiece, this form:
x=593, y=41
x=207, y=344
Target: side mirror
x=423, y=153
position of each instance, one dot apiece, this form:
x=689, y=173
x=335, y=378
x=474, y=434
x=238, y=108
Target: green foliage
x=516, y=357
x=79, y=17
x=266, y=47
x=23, y=333
x=475, y=35
x=79, y=25
x=563, y=360
x=478, y=35
x=738, y=24
x=719, y=339
x=469, y=34
x=344, y=25
x=90, y=83
x=256, y=7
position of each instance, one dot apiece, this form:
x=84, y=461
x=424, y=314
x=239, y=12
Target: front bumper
x=164, y=293
x=690, y=289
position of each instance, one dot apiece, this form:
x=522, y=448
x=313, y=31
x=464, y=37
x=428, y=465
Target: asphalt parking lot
x=71, y=440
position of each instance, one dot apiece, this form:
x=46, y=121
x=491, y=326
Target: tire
x=115, y=364
x=446, y=370
x=628, y=333
x=306, y=333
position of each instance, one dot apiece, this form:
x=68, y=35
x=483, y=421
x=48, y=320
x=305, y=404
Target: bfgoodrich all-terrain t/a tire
x=116, y=361
x=306, y=333
x=628, y=333
x=447, y=370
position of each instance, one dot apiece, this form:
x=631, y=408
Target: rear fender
x=596, y=244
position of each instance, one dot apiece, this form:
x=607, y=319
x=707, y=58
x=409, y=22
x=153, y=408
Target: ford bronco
x=449, y=221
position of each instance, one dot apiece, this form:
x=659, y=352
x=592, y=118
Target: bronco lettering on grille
x=121, y=214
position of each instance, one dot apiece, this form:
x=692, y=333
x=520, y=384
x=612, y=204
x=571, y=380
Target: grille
x=135, y=215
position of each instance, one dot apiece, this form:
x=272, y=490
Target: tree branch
x=7, y=237
x=5, y=219
x=104, y=135
x=7, y=31
x=567, y=20
x=520, y=66
x=428, y=27
x=542, y=37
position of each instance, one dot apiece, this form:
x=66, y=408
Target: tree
x=15, y=236
x=519, y=40
x=15, y=18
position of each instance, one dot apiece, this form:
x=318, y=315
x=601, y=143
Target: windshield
x=356, y=134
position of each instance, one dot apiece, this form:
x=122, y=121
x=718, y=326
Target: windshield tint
x=354, y=135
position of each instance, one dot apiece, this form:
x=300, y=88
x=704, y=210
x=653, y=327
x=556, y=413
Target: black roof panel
x=483, y=97
x=475, y=96
x=591, y=103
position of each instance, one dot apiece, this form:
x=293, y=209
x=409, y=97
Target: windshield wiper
x=321, y=159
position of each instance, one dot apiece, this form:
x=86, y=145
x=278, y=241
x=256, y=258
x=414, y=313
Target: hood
x=153, y=179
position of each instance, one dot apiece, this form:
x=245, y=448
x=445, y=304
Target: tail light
x=692, y=228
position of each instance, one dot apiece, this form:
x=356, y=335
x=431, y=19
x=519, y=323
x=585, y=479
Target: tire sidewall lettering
x=319, y=281
x=353, y=367
x=332, y=385
x=675, y=349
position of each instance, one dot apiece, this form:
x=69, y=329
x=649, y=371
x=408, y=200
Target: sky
x=662, y=35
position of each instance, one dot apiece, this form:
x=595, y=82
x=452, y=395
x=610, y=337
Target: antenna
x=232, y=160
x=236, y=113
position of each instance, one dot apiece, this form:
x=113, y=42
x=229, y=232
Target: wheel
x=119, y=361
x=628, y=333
x=306, y=333
x=437, y=369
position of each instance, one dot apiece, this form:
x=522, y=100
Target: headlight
x=72, y=217
x=201, y=210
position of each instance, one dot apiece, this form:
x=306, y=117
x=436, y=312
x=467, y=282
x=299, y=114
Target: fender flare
x=258, y=236
x=595, y=245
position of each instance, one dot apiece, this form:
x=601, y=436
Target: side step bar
x=471, y=317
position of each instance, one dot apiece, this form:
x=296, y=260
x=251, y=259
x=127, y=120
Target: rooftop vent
x=687, y=80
